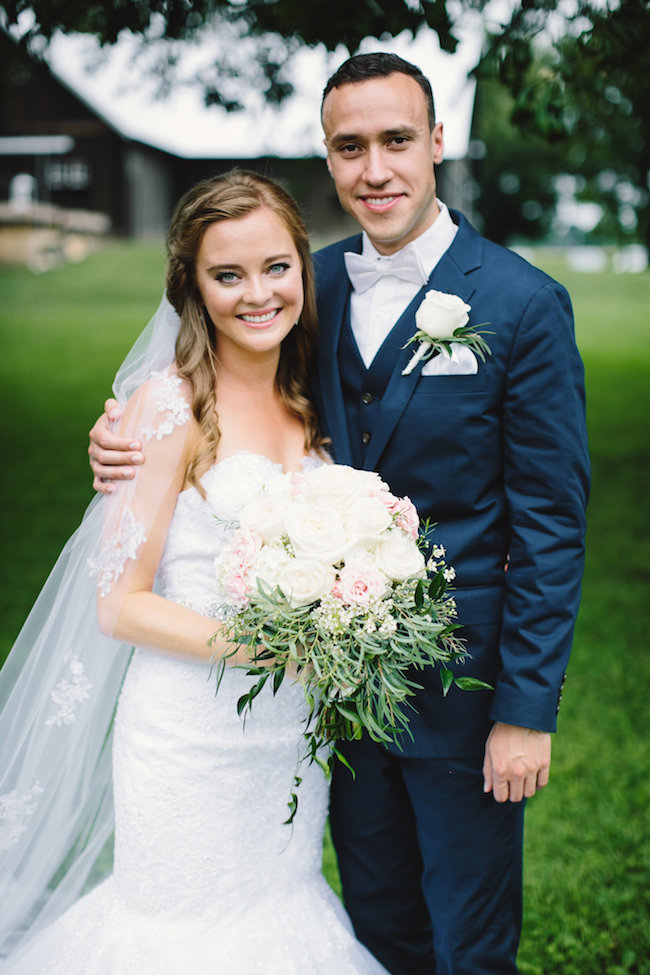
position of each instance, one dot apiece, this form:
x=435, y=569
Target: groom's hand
x=517, y=762
x=111, y=457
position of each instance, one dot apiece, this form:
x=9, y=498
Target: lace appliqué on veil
x=124, y=545
x=109, y=564
x=68, y=694
x=14, y=811
x=170, y=402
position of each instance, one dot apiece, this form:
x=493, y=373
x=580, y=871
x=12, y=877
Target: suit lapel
x=449, y=275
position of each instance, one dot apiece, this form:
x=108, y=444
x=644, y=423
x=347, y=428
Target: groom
x=429, y=838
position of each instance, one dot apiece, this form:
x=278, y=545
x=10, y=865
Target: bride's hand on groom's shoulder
x=111, y=457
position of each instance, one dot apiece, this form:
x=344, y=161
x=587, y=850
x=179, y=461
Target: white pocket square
x=463, y=362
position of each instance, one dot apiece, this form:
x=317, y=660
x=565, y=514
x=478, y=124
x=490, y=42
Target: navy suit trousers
x=430, y=865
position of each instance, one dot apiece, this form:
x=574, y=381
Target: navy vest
x=363, y=388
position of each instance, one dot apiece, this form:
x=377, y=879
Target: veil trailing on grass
x=60, y=683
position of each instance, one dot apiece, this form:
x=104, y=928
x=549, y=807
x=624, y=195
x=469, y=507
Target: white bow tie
x=363, y=272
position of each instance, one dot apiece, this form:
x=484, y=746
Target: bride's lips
x=379, y=203
x=259, y=319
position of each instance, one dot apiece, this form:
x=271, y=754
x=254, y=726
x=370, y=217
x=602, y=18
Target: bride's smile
x=249, y=275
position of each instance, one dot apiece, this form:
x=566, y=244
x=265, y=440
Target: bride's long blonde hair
x=230, y=197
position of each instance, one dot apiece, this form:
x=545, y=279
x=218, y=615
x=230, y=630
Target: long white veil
x=59, y=688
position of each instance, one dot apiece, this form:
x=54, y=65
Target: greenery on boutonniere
x=442, y=320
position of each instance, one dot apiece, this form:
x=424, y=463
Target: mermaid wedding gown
x=207, y=880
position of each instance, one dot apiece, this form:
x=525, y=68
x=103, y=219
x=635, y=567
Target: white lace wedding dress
x=207, y=879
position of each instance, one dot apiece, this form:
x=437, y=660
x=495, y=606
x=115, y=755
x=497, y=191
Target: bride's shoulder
x=161, y=405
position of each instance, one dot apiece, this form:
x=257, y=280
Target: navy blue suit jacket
x=499, y=461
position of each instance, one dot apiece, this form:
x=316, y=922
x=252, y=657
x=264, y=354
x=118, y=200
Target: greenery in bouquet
x=327, y=581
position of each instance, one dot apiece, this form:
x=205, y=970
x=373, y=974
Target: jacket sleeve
x=546, y=483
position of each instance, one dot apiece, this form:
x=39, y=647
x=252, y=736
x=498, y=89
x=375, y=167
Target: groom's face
x=381, y=153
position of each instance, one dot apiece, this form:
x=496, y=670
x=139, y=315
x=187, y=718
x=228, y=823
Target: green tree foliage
x=514, y=172
x=589, y=94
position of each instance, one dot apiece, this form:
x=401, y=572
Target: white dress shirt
x=374, y=312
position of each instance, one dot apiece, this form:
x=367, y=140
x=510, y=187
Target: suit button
x=367, y=398
x=365, y=438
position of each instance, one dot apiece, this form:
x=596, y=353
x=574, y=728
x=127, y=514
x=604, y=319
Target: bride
x=205, y=877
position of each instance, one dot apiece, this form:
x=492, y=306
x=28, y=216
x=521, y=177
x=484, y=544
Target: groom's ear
x=437, y=143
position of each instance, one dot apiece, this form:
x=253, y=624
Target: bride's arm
x=127, y=607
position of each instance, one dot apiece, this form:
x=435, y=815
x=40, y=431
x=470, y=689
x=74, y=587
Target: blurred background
x=109, y=112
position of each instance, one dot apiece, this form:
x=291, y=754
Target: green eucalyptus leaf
x=293, y=809
x=242, y=703
x=343, y=760
x=447, y=679
x=472, y=684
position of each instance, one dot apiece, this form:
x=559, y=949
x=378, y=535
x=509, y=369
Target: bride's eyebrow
x=223, y=267
x=232, y=266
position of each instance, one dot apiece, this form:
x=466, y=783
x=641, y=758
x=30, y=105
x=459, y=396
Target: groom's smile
x=379, y=204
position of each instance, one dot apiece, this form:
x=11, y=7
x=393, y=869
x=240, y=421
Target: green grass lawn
x=587, y=850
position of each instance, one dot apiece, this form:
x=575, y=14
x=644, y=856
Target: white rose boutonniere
x=442, y=319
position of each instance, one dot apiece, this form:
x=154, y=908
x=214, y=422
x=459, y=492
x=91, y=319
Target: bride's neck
x=254, y=373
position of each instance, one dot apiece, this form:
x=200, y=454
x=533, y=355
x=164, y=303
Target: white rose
x=269, y=564
x=265, y=515
x=440, y=314
x=303, y=581
x=316, y=532
x=367, y=519
x=399, y=557
x=336, y=485
x=361, y=553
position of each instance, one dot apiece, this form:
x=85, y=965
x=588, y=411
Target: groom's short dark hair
x=363, y=67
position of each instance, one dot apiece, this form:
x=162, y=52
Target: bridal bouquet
x=325, y=576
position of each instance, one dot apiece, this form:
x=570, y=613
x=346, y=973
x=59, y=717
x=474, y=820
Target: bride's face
x=250, y=278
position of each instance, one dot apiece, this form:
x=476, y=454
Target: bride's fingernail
x=134, y=445
x=136, y=458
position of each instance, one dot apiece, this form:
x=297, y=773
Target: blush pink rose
x=406, y=517
x=403, y=511
x=359, y=583
x=243, y=549
x=237, y=586
x=244, y=546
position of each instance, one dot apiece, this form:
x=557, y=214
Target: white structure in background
x=630, y=260
x=22, y=192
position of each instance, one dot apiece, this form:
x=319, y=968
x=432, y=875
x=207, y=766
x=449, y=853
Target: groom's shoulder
x=505, y=267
